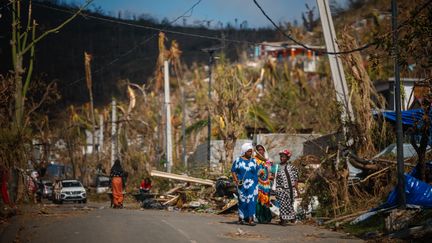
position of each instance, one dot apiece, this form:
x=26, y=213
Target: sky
x=212, y=10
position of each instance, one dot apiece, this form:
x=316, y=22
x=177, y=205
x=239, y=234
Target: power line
x=190, y=10
x=151, y=37
x=305, y=46
x=166, y=30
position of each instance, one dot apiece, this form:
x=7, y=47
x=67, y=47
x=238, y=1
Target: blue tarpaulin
x=409, y=117
x=417, y=192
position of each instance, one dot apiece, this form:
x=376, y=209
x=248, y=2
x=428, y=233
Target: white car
x=69, y=190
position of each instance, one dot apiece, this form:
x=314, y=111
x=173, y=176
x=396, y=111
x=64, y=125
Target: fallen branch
x=375, y=173
x=393, y=162
x=345, y=217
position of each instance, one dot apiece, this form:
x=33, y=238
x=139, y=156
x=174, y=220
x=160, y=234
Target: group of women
x=255, y=177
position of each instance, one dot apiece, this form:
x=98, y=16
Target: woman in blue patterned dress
x=244, y=172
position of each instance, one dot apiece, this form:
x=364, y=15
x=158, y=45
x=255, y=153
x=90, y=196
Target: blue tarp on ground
x=409, y=117
x=418, y=193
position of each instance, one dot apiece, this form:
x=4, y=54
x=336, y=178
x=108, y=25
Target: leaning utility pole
x=399, y=133
x=168, y=135
x=338, y=75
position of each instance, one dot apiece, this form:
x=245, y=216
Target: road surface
x=96, y=222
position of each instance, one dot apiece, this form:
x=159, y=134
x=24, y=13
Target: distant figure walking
x=286, y=182
x=116, y=177
x=244, y=173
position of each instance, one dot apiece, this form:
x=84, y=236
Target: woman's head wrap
x=286, y=152
x=264, y=156
x=245, y=147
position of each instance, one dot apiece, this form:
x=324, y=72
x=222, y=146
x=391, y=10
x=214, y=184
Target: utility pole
x=113, y=132
x=399, y=133
x=211, y=52
x=338, y=75
x=168, y=136
x=101, y=131
x=183, y=128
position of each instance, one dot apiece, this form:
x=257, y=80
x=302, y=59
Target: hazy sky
x=214, y=10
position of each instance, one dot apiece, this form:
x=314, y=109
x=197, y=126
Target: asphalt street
x=97, y=222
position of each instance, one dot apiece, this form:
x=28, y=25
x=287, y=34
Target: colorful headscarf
x=264, y=157
x=286, y=152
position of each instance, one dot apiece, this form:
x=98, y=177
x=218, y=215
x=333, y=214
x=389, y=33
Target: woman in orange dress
x=116, y=176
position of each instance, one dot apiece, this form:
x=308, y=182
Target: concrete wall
x=274, y=143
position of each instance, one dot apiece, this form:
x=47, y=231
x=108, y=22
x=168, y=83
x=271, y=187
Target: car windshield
x=71, y=184
x=48, y=183
x=104, y=184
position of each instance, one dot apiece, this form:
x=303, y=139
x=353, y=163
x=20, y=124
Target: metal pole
x=399, y=133
x=338, y=75
x=113, y=132
x=211, y=52
x=183, y=128
x=168, y=136
x=101, y=131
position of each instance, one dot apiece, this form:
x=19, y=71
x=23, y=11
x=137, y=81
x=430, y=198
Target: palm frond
x=258, y=113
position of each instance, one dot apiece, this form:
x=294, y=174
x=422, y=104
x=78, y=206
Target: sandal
x=283, y=223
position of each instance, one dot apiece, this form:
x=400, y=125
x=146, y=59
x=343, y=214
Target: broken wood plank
x=230, y=205
x=156, y=173
x=175, y=189
x=172, y=201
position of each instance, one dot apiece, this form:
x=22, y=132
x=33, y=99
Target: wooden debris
x=345, y=217
x=156, y=173
x=399, y=219
x=173, y=190
x=171, y=201
x=375, y=173
x=230, y=205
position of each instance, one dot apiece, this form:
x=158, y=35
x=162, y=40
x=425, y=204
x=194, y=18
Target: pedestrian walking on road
x=263, y=213
x=286, y=188
x=116, y=177
x=244, y=172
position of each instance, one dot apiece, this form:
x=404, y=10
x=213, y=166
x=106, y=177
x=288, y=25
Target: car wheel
x=84, y=201
x=60, y=201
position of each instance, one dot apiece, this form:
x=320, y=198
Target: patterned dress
x=263, y=212
x=284, y=191
x=246, y=170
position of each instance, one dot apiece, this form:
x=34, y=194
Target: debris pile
x=191, y=194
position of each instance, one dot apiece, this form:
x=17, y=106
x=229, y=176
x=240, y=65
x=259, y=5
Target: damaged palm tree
x=89, y=82
x=364, y=98
x=230, y=105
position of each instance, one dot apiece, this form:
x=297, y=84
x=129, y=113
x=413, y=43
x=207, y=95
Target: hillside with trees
x=121, y=48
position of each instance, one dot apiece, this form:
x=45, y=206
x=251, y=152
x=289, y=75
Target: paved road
x=98, y=223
